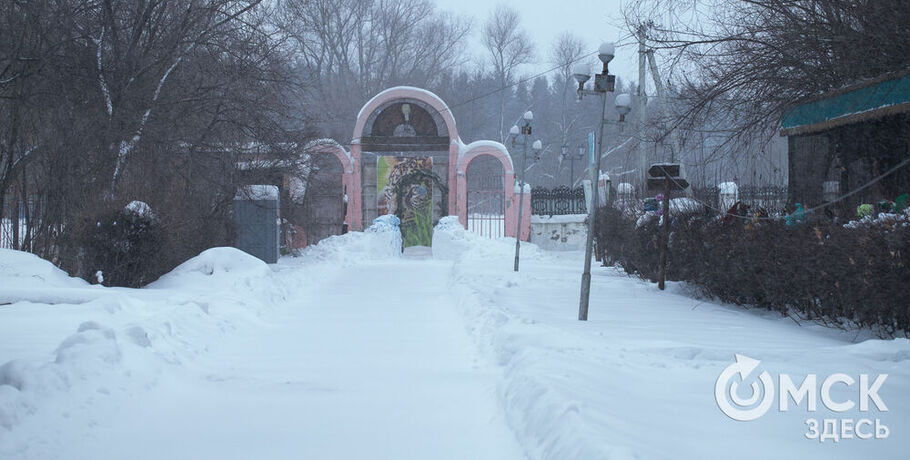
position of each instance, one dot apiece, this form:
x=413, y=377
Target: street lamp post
x=564, y=153
x=579, y=155
x=525, y=131
x=603, y=83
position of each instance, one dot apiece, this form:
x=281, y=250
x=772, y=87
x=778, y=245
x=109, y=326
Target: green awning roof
x=845, y=107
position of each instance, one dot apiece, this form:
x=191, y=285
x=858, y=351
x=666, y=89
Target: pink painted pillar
x=461, y=196
x=355, y=191
x=526, y=219
x=456, y=185
x=513, y=197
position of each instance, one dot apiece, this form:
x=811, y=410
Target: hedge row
x=847, y=276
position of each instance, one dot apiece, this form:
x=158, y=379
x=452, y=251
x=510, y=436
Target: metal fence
x=558, y=201
x=771, y=198
x=7, y=225
x=486, y=197
x=486, y=212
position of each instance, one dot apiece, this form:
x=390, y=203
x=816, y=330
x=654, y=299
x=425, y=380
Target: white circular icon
x=731, y=403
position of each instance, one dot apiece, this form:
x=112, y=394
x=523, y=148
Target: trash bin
x=256, y=221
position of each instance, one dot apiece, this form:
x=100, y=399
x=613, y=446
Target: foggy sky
x=594, y=21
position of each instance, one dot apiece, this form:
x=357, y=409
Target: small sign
x=664, y=169
x=658, y=183
x=660, y=172
x=591, y=152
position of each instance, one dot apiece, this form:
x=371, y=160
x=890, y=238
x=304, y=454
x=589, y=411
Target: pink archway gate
x=510, y=191
x=368, y=142
x=350, y=177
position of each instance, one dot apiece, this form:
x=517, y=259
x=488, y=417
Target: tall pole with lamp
x=603, y=83
x=525, y=131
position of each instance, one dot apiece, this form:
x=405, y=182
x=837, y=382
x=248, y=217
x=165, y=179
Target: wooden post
x=664, y=234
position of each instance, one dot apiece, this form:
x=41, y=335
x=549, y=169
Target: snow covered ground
x=351, y=351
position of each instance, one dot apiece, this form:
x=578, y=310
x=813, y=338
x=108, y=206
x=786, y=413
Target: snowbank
x=381, y=240
x=92, y=350
x=22, y=270
x=214, y=268
x=68, y=345
x=450, y=239
x=636, y=379
x=452, y=242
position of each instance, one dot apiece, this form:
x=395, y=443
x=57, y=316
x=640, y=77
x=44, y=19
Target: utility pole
x=641, y=104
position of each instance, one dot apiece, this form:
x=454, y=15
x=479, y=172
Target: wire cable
x=887, y=173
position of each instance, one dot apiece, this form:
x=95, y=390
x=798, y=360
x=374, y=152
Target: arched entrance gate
x=405, y=133
x=328, y=198
x=486, y=197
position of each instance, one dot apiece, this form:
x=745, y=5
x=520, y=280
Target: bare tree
x=567, y=52
x=137, y=50
x=106, y=102
x=509, y=47
x=733, y=67
x=353, y=49
x=747, y=60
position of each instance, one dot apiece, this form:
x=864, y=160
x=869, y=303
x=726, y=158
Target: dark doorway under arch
x=324, y=200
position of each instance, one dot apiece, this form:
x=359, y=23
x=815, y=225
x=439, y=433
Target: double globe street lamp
x=579, y=154
x=525, y=132
x=603, y=83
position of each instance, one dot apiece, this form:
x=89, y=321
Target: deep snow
x=352, y=351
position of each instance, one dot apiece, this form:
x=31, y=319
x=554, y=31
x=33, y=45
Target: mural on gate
x=417, y=201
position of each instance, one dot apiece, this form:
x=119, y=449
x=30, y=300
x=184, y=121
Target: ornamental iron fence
x=771, y=198
x=557, y=201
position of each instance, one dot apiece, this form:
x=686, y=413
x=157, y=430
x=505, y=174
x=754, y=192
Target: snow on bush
x=884, y=219
x=139, y=209
x=684, y=205
x=124, y=245
x=381, y=240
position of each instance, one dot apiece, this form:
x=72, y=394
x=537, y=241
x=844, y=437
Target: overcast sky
x=594, y=21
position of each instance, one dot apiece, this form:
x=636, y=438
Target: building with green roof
x=851, y=141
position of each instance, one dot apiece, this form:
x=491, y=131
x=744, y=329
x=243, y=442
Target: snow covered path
x=382, y=370
x=352, y=351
